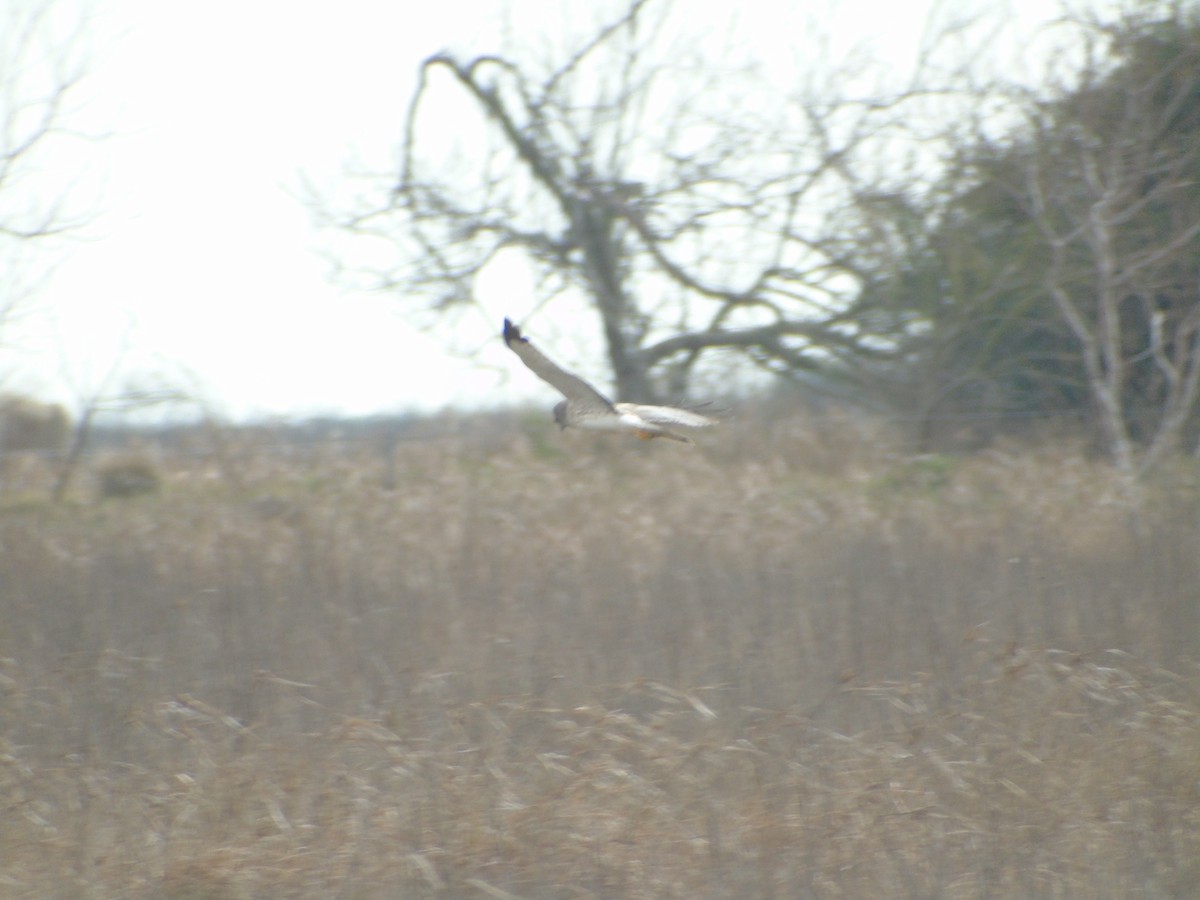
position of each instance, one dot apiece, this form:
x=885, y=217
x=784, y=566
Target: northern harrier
x=587, y=409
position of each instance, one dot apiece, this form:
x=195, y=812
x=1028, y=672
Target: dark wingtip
x=511, y=333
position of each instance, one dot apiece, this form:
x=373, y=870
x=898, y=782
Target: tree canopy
x=1059, y=271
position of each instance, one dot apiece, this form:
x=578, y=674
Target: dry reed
x=788, y=662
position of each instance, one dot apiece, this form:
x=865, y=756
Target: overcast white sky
x=201, y=257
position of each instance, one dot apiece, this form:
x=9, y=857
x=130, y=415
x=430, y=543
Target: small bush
x=27, y=425
x=128, y=477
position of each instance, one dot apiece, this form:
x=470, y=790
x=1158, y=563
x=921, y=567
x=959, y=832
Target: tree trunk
x=593, y=225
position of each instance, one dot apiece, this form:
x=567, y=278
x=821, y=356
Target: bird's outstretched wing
x=668, y=415
x=578, y=392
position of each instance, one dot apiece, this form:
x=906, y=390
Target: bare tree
x=1052, y=266
x=690, y=204
x=1113, y=189
x=40, y=69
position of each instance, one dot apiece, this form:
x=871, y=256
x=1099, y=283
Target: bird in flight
x=589, y=410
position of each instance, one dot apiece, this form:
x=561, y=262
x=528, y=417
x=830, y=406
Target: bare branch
x=714, y=221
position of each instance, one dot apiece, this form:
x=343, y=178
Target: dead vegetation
x=785, y=663
x=127, y=476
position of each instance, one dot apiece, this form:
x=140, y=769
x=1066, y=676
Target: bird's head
x=560, y=414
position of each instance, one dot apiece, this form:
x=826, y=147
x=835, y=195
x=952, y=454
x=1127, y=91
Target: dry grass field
x=789, y=662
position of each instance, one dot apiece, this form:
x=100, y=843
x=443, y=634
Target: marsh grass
x=789, y=662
